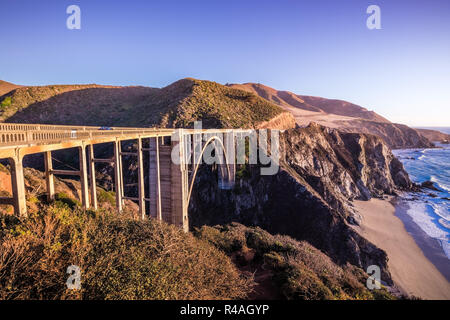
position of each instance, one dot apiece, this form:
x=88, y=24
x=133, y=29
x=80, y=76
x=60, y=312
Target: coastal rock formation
x=397, y=136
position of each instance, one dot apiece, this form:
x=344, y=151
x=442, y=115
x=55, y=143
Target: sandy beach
x=412, y=272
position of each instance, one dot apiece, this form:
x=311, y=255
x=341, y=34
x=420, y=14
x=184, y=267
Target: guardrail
x=12, y=134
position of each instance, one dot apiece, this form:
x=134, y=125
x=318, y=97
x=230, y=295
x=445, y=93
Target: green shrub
x=5, y=103
x=64, y=199
x=104, y=196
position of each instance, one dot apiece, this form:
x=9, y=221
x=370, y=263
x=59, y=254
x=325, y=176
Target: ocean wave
x=420, y=214
x=446, y=248
x=441, y=209
x=444, y=223
x=440, y=183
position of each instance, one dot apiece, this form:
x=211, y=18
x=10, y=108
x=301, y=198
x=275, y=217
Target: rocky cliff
x=397, y=136
x=322, y=170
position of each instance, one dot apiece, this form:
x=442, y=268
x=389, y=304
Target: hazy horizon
x=320, y=48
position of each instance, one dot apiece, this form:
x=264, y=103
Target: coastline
x=385, y=223
x=430, y=247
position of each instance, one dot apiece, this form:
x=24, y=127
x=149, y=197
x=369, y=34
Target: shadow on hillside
x=90, y=106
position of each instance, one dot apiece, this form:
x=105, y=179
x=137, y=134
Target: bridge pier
x=122, y=188
x=227, y=170
x=141, y=186
x=117, y=176
x=49, y=176
x=160, y=180
x=18, y=186
x=84, y=177
x=93, y=182
x=179, y=181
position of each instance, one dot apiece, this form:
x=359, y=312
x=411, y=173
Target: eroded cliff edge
x=321, y=171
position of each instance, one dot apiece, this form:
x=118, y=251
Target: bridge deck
x=36, y=138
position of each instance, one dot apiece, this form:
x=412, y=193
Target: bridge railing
x=28, y=134
x=15, y=134
x=51, y=127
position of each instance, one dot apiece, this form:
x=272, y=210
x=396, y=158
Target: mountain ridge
x=339, y=114
x=179, y=104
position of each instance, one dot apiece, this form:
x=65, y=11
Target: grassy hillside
x=314, y=104
x=177, y=105
x=119, y=258
x=343, y=108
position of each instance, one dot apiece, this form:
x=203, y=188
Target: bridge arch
x=194, y=172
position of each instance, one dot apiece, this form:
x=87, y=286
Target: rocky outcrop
x=397, y=136
x=309, y=199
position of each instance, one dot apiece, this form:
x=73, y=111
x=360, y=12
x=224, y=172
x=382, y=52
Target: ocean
x=431, y=214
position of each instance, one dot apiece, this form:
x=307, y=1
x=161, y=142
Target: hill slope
x=339, y=114
x=6, y=87
x=308, y=103
x=177, y=105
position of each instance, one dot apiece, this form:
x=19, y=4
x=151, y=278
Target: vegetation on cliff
x=122, y=258
x=297, y=270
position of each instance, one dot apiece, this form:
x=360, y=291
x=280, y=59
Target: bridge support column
x=227, y=171
x=18, y=186
x=121, y=173
x=93, y=182
x=84, y=177
x=117, y=176
x=160, y=180
x=141, y=186
x=179, y=181
x=49, y=177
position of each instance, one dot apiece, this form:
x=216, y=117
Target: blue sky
x=319, y=47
